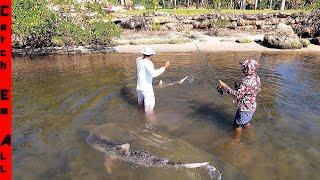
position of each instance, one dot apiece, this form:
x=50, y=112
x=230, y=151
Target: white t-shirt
x=145, y=73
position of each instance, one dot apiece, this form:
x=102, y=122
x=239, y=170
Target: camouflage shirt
x=250, y=86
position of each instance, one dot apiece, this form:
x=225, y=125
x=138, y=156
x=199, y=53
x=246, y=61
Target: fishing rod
x=219, y=89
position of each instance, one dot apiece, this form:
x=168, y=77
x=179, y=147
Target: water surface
x=56, y=96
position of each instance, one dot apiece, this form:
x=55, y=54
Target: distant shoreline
x=213, y=45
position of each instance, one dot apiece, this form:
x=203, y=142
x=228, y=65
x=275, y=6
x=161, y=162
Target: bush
x=95, y=7
x=35, y=25
x=219, y=23
x=74, y=34
x=150, y=4
x=314, y=6
x=305, y=42
x=155, y=26
x=102, y=32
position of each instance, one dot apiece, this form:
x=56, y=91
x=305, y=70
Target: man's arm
x=156, y=72
x=228, y=89
x=239, y=94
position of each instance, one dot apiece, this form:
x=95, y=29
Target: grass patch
x=152, y=40
x=305, y=42
x=179, y=41
x=155, y=26
x=192, y=12
x=219, y=23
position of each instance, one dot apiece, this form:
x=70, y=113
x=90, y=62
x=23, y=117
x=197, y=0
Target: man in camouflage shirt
x=245, y=95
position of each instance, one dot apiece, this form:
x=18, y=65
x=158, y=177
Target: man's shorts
x=242, y=119
x=146, y=98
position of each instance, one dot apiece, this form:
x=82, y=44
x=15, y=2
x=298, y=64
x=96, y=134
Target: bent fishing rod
x=219, y=89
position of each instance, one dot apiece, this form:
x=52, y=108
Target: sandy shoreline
x=213, y=44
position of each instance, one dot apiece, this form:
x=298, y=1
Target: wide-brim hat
x=148, y=51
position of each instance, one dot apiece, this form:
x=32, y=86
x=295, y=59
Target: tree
x=231, y=4
x=270, y=6
x=217, y=5
x=283, y=4
x=163, y=3
x=244, y=4
x=255, y=4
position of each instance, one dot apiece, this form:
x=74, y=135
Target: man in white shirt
x=145, y=74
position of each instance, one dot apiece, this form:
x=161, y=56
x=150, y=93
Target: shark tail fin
x=194, y=165
x=181, y=81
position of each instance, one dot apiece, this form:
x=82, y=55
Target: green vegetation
x=224, y=4
x=45, y=23
x=314, y=6
x=305, y=42
x=153, y=40
x=36, y=25
x=150, y=4
x=32, y=20
x=191, y=12
x=155, y=26
x=219, y=23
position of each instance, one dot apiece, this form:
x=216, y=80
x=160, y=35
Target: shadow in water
x=128, y=95
x=214, y=113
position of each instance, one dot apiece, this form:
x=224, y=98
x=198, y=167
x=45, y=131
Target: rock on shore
x=282, y=38
x=309, y=27
x=265, y=21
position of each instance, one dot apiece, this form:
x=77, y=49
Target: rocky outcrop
x=234, y=21
x=282, y=38
x=315, y=41
x=136, y=23
x=309, y=27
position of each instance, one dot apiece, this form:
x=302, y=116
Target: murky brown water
x=55, y=97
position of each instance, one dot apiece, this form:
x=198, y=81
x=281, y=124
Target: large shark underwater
x=124, y=152
x=149, y=149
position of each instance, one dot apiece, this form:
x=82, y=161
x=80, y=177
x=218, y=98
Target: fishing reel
x=237, y=85
x=220, y=90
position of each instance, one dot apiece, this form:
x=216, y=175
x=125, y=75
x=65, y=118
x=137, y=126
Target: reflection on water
x=56, y=97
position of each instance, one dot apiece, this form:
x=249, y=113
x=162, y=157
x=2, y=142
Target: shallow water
x=56, y=97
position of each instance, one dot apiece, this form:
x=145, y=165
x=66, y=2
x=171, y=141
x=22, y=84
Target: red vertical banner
x=5, y=90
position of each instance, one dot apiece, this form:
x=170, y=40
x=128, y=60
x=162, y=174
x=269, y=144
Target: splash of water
x=190, y=78
x=213, y=172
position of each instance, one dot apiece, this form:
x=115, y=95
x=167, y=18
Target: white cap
x=148, y=51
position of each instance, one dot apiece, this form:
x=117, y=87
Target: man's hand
x=222, y=84
x=167, y=65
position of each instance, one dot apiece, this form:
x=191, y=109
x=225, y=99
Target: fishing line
x=211, y=72
x=208, y=63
